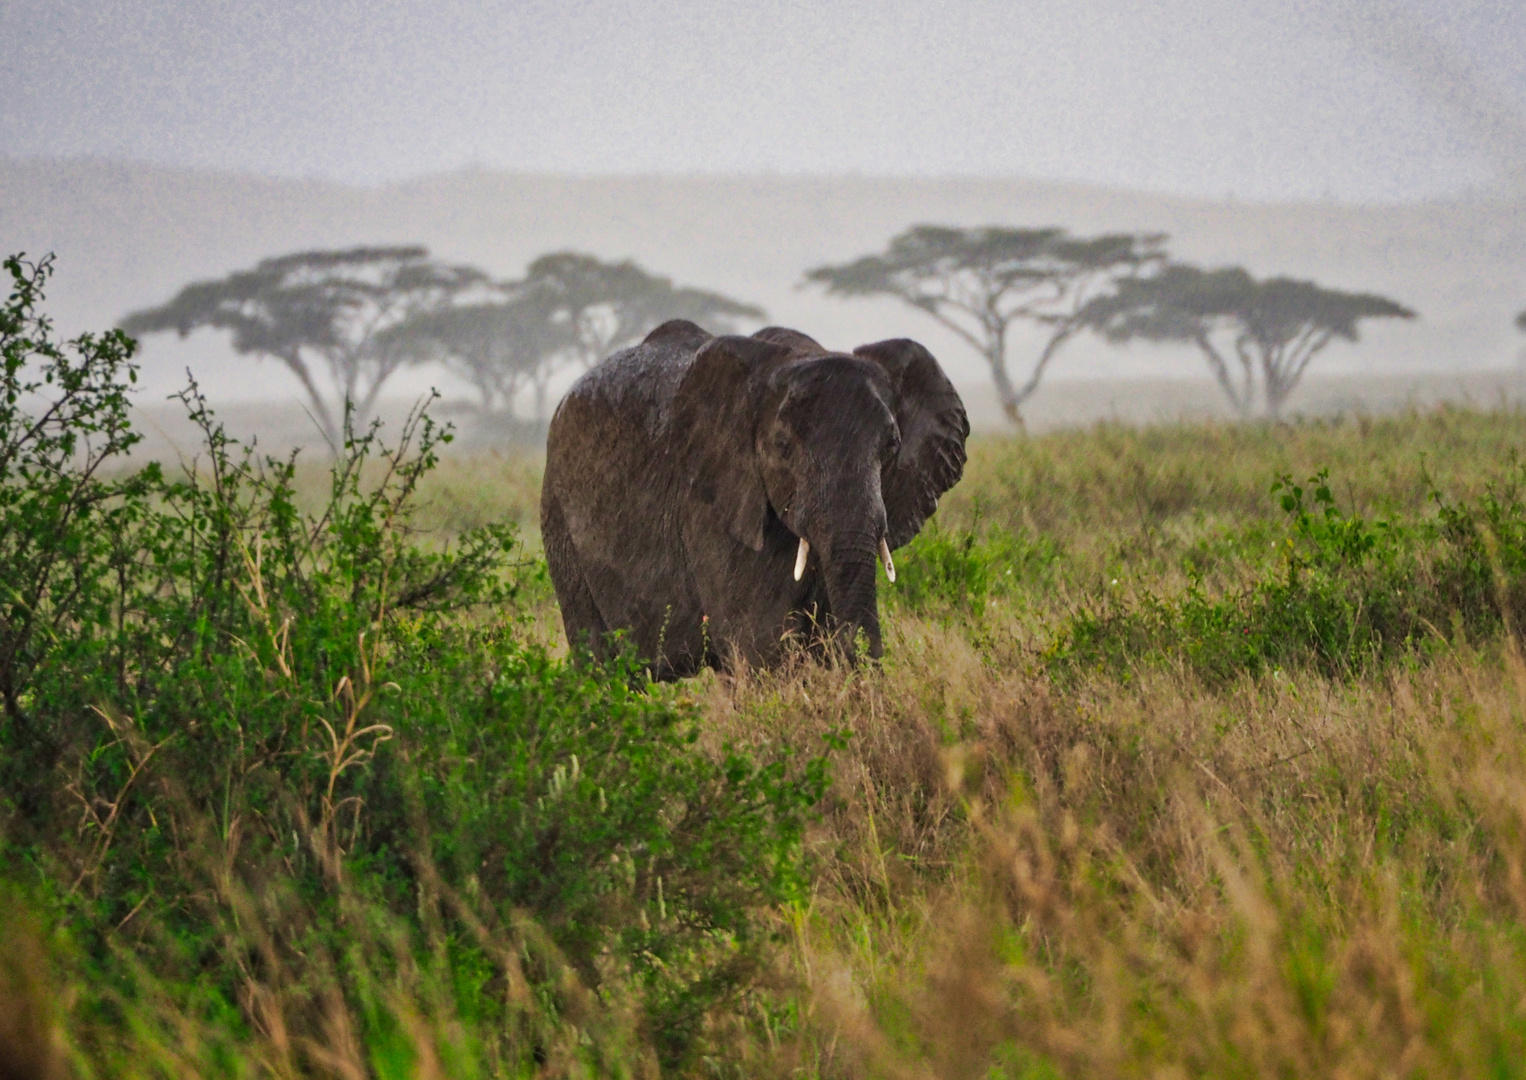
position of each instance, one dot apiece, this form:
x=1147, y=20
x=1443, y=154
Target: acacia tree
x=320, y=308
x=570, y=308
x=609, y=305
x=977, y=282
x=500, y=346
x=1256, y=335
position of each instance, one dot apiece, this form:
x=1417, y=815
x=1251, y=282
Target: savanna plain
x=1196, y=750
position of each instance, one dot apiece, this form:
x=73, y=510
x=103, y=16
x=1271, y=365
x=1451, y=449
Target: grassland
x=1165, y=773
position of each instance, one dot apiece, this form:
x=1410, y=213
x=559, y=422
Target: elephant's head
x=849, y=452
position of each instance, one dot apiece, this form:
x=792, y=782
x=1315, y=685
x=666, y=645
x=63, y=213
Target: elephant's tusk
x=805, y=549
x=885, y=558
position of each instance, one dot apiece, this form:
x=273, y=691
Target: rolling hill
x=128, y=235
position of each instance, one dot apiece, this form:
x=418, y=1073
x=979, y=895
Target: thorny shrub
x=260, y=764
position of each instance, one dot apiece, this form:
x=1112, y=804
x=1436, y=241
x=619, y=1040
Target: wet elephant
x=714, y=496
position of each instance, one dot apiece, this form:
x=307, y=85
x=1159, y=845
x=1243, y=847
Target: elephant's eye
x=892, y=447
x=785, y=448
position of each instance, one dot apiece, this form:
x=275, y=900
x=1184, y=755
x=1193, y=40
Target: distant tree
x=611, y=305
x=977, y=282
x=1181, y=304
x=1254, y=334
x=569, y=308
x=1520, y=322
x=329, y=308
x=500, y=345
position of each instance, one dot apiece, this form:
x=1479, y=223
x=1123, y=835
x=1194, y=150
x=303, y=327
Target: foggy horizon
x=1486, y=190
x=1369, y=145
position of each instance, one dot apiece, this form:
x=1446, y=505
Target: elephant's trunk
x=848, y=570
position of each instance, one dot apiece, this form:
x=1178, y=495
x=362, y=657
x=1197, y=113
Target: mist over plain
x=1377, y=145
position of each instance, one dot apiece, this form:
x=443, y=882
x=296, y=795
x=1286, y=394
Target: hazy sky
x=1361, y=99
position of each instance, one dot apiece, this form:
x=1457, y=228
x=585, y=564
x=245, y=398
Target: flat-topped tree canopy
x=922, y=263
x=978, y=281
x=363, y=313
x=1287, y=309
x=569, y=308
x=329, y=306
x=1254, y=334
x=1178, y=303
x=514, y=339
x=611, y=305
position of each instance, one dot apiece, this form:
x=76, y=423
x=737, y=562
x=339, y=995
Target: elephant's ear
x=715, y=422
x=933, y=429
x=679, y=332
x=783, y=335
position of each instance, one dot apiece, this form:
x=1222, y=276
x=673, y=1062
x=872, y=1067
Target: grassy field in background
x=1197, y=750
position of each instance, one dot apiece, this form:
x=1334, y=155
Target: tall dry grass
x=1289, y=877
x=1130, y=871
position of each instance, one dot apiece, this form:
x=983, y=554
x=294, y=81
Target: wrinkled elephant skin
x=690, y=477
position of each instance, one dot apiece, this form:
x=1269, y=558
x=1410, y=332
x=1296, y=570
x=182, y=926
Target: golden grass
x=1129, y=875
x=1288, y=877
x=1285, y=876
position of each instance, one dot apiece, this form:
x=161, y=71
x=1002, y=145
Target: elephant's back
x=634, y=388
x=611, y=471
x=609, y=460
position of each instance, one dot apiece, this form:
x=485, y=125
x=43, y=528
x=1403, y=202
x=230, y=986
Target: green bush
x=961, y=569
x=1345, y=593
x=559, y=791
x=309, y=760
x=63, y=416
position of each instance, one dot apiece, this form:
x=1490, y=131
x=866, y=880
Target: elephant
x=715, y=497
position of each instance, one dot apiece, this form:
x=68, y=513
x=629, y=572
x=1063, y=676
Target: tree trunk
x=299, y=368
x=1006, y=393
x=1240, y=399
x=1277, y=391
x=1058, y=338
x=367, y=404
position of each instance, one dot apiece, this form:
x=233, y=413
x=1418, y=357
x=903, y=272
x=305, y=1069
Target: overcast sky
x=1357, y=100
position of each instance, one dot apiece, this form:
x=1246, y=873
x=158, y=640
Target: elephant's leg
x=584, y=625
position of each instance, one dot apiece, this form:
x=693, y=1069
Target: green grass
x=1197, y=750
